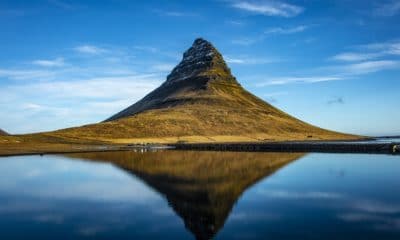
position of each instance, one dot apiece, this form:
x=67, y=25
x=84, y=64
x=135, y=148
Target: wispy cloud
x=116, y=87
x=368, y=67
x=339, y=72
x=281, y=30
x=364, y=59
x=22, y=74
x=269, y=8
x=290, y=80
x=89, y=49
x=244, y=60
x=390, y=47
x=173, y=13
x=163, y=67
x=354, y=56
x=31, y=106
x=246, y=41
x=388, y=9
x=370, y=51
x=58, y=62
x=52, y=103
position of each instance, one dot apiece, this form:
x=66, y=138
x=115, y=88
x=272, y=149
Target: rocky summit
x=199, y=60
x=200, y=101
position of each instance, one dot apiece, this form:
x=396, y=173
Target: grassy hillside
x=221, y=112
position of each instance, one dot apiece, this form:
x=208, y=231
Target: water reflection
x=125, y=195
x=201, y=187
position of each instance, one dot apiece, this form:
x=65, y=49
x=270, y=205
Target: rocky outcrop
x=202, y=59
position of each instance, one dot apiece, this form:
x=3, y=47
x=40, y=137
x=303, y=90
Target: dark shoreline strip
x=384, y=148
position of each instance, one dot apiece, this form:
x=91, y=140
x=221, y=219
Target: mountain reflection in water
x=201, y=187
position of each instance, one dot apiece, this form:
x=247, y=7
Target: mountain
x=200, y=101
x=3, y=133
x=201, y=187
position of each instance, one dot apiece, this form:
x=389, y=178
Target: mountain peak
x=201, y=59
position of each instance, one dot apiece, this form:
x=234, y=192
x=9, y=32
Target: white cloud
x=58, y=62
x=355, y=57
x=163, y=67
x=246, y=41
x=280, y=30
x=290, y=80
x=269, y=8
x=370, y=51
x=246, y=60
x=389, y=48
x=388, y=9
x=22, y=74
x=32, y=106
x=49, y=105
x=117, y=87
x=169, y=13
x=369, y=67
x=89, y=49
x=234, y=60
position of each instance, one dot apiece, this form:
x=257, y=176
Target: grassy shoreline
x=19, y=145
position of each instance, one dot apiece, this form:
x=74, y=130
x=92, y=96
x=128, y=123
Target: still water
x=189, y=194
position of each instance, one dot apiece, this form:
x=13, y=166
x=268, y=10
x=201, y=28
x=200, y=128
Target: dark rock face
x=201, y=59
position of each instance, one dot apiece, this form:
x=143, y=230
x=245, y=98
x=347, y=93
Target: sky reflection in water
x=200, y=194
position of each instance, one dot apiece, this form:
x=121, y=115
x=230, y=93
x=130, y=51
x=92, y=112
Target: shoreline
x=297, y=146
x=366, y=147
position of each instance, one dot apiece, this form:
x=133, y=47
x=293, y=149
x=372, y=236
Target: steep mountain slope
x=199, y=101
x=3, y=133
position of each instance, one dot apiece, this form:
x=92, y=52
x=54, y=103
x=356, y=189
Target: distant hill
x=3, y=133
x=200, y=101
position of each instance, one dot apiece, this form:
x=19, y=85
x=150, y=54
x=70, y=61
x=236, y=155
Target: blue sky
x=332, y=63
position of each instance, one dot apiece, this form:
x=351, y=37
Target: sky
x=334, y=64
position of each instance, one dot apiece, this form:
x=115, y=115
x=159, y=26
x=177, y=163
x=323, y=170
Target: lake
x=188, y=194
